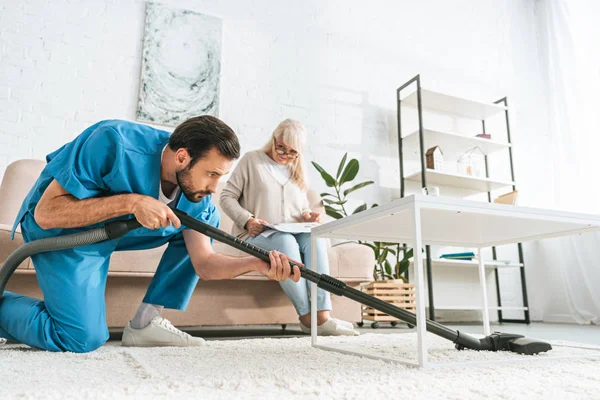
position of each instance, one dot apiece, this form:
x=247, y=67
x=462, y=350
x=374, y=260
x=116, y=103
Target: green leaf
x=341, y=167
x=402, y=267
x=389, y=244
x=392, y=251
x=318, y=167
x=408, y=254
x=382, y=256
x=360, y=208
x=350, y=171
x=356, y=187
x=329, y=181
x=332, y=212
x=337, y=202
x=375, y=205
x=378, y=245
x=388, y=267
x=327, y=194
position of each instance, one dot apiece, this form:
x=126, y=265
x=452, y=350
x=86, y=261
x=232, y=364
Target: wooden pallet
x=395, y=292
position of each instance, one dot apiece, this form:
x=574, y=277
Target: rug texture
x=291, y=368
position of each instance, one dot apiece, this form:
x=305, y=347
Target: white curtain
x=569, y=36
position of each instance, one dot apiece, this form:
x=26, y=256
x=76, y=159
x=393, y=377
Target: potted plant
x=389, y=283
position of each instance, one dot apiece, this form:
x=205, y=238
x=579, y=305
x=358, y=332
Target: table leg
x=313, y=292
x=420, y=289
x=483, y=283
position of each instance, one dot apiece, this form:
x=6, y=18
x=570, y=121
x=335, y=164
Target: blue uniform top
x=108, y=158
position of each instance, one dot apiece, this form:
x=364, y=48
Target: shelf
x=454, y=105
x=451, y=143
x=472, y=263
x=480, y=308
x=459, y=181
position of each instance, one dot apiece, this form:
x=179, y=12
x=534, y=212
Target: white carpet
x=290, y=368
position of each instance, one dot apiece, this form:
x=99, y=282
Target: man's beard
x=184, y=181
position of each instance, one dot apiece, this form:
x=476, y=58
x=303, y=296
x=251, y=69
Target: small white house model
x=435, y=158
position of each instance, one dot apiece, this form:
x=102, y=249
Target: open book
x=298, y=227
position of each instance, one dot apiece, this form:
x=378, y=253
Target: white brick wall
x=334, y=64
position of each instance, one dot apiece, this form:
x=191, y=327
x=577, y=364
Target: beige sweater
x=253, y=191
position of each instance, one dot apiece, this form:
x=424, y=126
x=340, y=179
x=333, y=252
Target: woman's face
x=283, y=154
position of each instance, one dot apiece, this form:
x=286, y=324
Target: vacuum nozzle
x=498, y=341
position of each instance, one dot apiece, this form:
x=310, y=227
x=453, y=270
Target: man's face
x=202, y=179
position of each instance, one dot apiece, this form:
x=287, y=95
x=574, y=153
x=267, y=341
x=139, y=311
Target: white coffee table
x=426, y=220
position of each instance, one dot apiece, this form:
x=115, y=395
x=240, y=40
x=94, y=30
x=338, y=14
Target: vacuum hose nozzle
x=498, y=341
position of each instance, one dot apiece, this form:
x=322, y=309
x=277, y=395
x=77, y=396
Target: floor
x=589, y=334
x=277, y=364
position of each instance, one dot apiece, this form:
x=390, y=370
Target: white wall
x=335, y=65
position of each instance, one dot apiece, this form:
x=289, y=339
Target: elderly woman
x=269, y=186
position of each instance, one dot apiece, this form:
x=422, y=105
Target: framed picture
x=181, y=65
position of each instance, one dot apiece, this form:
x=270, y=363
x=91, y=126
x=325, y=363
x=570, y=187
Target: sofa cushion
x=136, y=260
x=352, y=261
x=18, y=179
x=7, y=246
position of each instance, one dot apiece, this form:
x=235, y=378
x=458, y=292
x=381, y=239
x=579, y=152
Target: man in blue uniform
x=116, y=169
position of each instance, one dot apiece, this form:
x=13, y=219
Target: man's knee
x=81, y=341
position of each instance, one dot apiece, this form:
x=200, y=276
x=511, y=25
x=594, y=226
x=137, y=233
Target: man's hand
x=153, y=214
x=255, y=226
x=311, y=216
x=280, y=268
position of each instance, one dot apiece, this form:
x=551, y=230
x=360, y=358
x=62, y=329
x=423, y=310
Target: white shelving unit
x=454, y=105
x=443, y=262
x=459, y=181
x=454, y=144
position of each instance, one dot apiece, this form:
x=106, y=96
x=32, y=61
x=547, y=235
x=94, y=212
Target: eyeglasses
x=281, y=150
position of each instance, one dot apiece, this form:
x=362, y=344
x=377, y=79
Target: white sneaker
x=346, y=324
x=332, y=327
x=160, y=332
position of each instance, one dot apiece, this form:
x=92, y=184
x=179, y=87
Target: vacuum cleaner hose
x=112, y=230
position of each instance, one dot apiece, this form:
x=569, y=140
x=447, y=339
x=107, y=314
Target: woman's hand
x=311, y=216
x=255, y=226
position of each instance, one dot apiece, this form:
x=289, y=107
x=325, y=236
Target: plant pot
x=395, y=291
